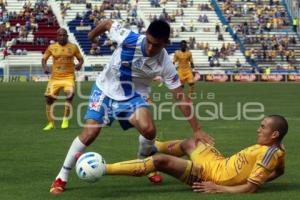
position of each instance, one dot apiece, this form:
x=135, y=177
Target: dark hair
x=279, y=124
x=159, y=29
x=183, y=42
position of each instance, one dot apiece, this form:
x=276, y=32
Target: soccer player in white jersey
x=119, y=90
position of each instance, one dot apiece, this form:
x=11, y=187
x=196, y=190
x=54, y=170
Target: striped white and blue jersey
x=130, y=71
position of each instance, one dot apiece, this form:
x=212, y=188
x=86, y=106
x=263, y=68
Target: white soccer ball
x=90, y=166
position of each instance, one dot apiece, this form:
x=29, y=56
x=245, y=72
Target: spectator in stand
x=24, y=52
x=5, y=53
x=220, y=37
x=81, y=23
x=95, y=49
x=19, y=52
x=205, y=18
x=191, y=25
x=192, y=42
x=200, y=18
x=267, y=70
x=238, y=63
x=217, y=28
x=182, y=25
x=295, y=24
x=28, y=26
x=210, y=54
x=183, y=3
x=292, y=55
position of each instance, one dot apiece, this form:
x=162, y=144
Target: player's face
x=183, y=46
x=265, y=134
x=62, y=37
x=153, y=45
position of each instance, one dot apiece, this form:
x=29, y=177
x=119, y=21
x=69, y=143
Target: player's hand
x=78, y=67
x=192, y=65
x=201, y=136
x=205, y=187
x=46, y=70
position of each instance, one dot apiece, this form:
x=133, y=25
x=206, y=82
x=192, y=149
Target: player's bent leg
x=142, y=120
x=172, y=147
x=170, y=165
x=188, y=146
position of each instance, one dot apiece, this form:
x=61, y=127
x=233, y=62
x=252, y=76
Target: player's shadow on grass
x=135, y=189
x=132, y=189
x=275, y=187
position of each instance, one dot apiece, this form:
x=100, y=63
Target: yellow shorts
x=204, y=153
x=55, y=86
x=203, y=161
x=186, y=76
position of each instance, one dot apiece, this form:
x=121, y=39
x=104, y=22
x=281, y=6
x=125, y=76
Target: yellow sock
x=170, y=147
x=136, y=167
x=49, y=113
x=67, y=109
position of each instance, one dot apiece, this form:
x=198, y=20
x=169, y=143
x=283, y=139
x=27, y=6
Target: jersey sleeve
x=169, y=74
x=117, y=33
x=47, y=53
x=267, y=161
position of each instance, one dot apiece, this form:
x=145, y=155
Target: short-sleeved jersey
x=130, y=71
x=253, y=164
x=184, y=59
x=63, y=59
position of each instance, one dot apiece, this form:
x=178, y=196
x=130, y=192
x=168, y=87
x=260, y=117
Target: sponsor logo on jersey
x=125, y=63
x=69, y=50
x=175, y=78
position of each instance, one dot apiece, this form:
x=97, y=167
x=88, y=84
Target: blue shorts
x=105, y=110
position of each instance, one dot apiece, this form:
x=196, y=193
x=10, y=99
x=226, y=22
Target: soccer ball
x=90, y=166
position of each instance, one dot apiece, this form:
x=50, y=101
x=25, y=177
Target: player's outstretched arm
x=210, y=187
x=46, y=56
x=186, y=107
x=80, y=63
x=101, y=28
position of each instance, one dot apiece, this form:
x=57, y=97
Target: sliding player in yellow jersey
x=184, y=59
x=62, y=77
x=210, y=172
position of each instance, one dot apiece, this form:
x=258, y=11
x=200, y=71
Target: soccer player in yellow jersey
x=62, y=77
x=210, y=172
x=185, y=64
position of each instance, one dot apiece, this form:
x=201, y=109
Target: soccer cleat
x=49, y=126
x=155, y=177
x=65, y=123
x=58, y=186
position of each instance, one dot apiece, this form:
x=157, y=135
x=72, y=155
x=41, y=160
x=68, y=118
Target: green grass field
x=30, y=158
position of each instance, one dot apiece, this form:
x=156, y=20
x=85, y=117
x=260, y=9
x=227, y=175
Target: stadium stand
x=266, y=31
x=235, y=36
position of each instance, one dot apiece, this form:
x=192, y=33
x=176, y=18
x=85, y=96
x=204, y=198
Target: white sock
x=70, y=160
x=145, y=147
